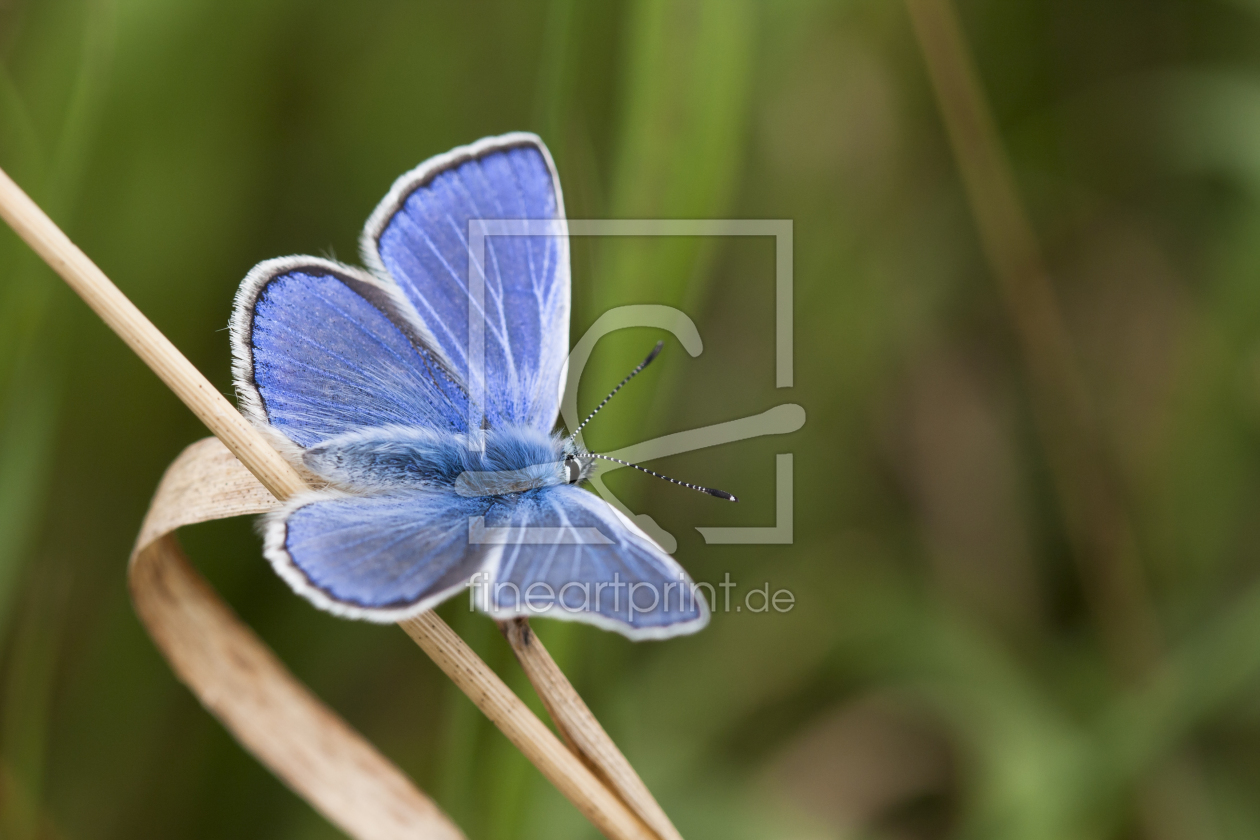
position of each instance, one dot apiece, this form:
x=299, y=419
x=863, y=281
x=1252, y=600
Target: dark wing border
x=422, y=175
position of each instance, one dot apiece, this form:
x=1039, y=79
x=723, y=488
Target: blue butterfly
x=361, y=378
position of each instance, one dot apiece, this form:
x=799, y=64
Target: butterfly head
x=572, y=470
x=578, y=464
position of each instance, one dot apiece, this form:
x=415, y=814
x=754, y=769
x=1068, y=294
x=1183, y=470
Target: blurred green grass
x=940, y=675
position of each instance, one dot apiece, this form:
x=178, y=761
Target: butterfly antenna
x=655, y=352
x=721, y=494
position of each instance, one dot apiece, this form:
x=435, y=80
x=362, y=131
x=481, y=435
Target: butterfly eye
x=573, y=469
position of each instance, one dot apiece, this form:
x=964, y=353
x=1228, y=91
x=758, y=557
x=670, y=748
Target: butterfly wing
x=560, y=553
x=569, y=554
x=419, y=236
x=381, y=557
x=320, y=349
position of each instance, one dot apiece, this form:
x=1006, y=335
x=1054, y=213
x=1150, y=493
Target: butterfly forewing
x=320, y=351
x=419, y=236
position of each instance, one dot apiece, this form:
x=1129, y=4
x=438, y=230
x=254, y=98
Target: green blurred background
x=942, y=673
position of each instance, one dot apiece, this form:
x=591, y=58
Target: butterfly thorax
x=515, y=459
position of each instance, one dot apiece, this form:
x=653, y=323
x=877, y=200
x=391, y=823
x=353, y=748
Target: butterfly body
x=514, y=460
x=422, y=396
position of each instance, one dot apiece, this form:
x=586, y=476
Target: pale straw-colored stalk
x=581, y=730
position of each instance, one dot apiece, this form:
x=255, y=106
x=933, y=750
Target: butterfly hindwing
x=321, y=349
x=380, y=557
x=583, y=577
x=419, y=237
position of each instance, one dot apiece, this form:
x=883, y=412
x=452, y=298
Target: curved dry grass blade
x=239, y=680
x=581, y=730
